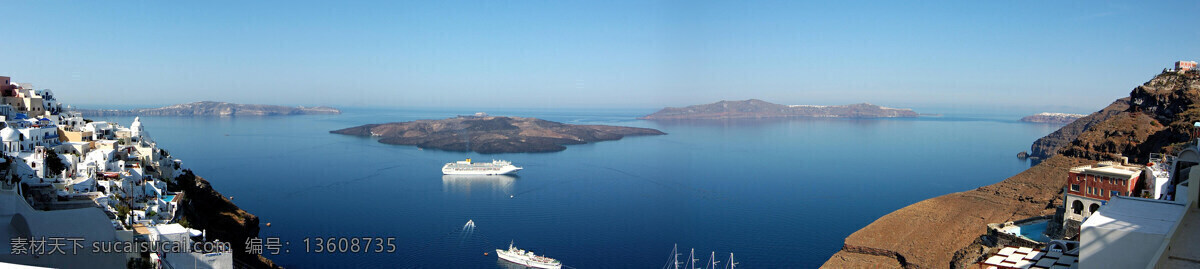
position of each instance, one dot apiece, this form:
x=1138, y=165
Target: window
x=1074, y=187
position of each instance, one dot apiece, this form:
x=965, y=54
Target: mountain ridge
x=212, y=108
x=758, y=109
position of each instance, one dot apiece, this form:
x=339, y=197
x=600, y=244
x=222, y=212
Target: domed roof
x=8, y=134
x=137, y=123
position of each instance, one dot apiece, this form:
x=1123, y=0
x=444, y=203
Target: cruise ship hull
x=521, y=260
x=502, y=171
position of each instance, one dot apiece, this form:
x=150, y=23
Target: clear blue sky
x=1079, y=55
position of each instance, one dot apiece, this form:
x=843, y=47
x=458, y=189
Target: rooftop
x=1024, y=257
x=1136, y=215
x=1183, y=245
x=173, y=228
x=1111, y=169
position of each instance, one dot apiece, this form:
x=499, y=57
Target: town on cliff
x=1113, y=191
x=80, y=193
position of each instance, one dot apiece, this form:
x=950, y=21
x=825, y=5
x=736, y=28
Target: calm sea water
x=777, y=194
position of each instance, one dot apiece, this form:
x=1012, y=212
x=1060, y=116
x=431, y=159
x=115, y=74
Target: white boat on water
x=496, y=167
x=527, y=258
x=691, y=263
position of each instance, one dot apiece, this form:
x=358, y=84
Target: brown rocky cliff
x=1157, y=117
x=928, y=233
x=1050, y=144
x=206, y=209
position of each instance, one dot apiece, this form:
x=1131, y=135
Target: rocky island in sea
x=493, y=134
x=1052, y=118
x=211, y=108
x=759, y=109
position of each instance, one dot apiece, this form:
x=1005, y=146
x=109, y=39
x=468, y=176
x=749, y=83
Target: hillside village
x=69, y=184
x=1115, y=214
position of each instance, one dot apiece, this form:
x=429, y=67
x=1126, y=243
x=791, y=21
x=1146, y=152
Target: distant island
x=210, y=108
x=759, y=109
x=1054, y=118
x=493, y=134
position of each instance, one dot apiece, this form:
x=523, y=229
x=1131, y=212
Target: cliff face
x=206, y=209
x=927, y=234
x=1052, y=118
x=757, y=109
x=1159, y=119
x=210, y=108
x=493, y=134
x=939, y=232
x=1050, y=144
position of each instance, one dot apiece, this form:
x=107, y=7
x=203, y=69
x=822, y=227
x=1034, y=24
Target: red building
x=1090, y=186
x=6, y=87
x=1103, y=180
x=1185, y=65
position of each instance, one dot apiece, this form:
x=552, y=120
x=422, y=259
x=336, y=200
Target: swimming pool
x=1034, y=231
x=168, y=197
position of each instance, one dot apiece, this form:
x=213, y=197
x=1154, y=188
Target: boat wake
x=466, y=232
x=463, y=243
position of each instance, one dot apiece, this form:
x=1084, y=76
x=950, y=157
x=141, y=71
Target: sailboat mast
x=712, y=260
x=692, y=259
x=674, y=258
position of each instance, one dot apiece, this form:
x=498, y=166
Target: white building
x=100, y=130
x=1158, y=175
x=1127, y=232
x=11, y=140
x=177, y=233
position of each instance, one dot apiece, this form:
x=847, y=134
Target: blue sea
x=776, y=194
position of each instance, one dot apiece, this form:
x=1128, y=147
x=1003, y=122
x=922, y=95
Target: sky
x=1070, y=56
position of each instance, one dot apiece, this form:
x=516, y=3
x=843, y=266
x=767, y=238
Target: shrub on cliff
x=54, y=164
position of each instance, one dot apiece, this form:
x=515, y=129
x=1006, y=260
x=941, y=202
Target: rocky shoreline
x=1050, y=144
x=206, y=209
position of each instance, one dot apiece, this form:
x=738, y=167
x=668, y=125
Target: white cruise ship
x=527, y=258
x=495, y=167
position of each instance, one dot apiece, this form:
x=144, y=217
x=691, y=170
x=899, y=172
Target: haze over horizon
x=627, y=54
